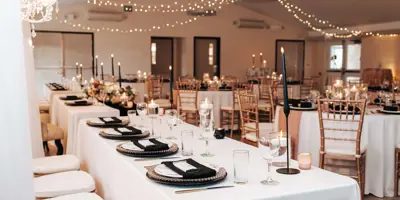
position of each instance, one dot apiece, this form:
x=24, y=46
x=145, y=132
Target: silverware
x=148, y=159
x=202, y=189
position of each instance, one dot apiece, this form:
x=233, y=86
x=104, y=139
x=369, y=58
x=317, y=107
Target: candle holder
x=152, y=111
x=305, y=161
x=207, y=124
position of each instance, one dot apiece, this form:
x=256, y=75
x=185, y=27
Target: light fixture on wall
x=37, y=11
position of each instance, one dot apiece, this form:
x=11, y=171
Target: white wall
x=133, y=49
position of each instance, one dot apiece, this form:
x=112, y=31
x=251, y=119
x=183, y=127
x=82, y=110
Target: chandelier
x=37, y=11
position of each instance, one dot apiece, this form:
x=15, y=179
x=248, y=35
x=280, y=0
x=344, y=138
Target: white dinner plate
x=131, y=146
x=389, y=112
x=165, y=171
x=307, y=109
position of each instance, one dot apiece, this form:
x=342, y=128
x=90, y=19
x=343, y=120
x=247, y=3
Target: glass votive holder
x=304, y=160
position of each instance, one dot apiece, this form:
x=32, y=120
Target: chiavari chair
x=341, y=124
x=186, y=78
x=305, y=88
x=187, y=102
x=250, y=125
x=266, y=102
x=396, y=170
x=154, y=85
x=229, y=115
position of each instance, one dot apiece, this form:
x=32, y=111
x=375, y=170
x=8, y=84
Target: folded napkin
x=377, y=100
x=110, y=120
x=129, y=130
x=71, y=97
x=81, y=102
x=351, y=108
x=391, y=108
x=200, y=170
x=155, y=146
x=303, y=105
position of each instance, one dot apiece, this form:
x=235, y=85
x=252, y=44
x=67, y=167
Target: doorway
x=162, y=56
x=206, y=56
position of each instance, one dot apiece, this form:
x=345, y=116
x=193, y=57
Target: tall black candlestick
x=170, y=85
x=97, y=68
x=112, y=64
x=119, y=75
x=286, y=110
x=102, y=72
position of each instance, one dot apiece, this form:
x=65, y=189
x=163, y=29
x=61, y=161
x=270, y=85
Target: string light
x=130, y=30
x=166, y=8
x=296, y=11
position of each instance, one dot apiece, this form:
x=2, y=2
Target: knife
x=148, y=159
x=202, y=189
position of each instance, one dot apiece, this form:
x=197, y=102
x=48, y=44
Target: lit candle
x=77, y=71
x=304, y=160
x=81, y=75
x=254, y=60
x=265, y=64
x=119, y=74
x=112, y=64
x=170, y=87
x=91, y=80
x=354, y=89
x=85, y=82
x=102, y=72
x=261, y=57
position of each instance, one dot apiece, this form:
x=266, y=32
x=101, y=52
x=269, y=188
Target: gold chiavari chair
x=305, y=88
x=250, y=125
x=396, y=170
x=266, y=102
x=341, y=124
x=186, y=78
x=268, y=81
x=229, y=115
x=187, y=103
x=154, y=85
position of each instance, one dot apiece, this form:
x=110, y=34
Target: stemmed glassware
x=103, y=96
x=141, y=109
x=270, y=147
x=206, y=124
x=172, y=120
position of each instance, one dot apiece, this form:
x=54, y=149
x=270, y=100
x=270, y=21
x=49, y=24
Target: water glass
x=187, y=139
x=131, y=116
x=241, y=166
x=141, y=109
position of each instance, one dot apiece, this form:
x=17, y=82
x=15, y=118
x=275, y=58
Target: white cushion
x=229, y=107
x=251, y=136
x=264, y=105
x=79, y=196
x=343, y=147
x=55, y=164
x=264, y=128
x=188, y=108
x=64, y=183
x=163, y=103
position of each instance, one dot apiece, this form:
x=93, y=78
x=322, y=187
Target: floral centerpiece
x=114, y=93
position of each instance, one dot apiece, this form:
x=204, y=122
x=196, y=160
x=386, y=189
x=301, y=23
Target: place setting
x=56, y=87
x=79, y=103
x=71, y=98
x=108, y=122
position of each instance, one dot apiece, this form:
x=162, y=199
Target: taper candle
x=254, y=60
x=97, y=67
x=81, y=66
x=76, y=66
x=102, y=72
x=112, y=64
x=119, y=75
x=261, y=58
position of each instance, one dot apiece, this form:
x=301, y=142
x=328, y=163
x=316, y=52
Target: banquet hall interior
x=200, y=99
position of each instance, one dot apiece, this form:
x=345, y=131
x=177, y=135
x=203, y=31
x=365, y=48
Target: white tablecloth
x=48, y=93
x=119, y=177
x=381, y=132
x=141, y=89
x=293, y=90
x=68, y=117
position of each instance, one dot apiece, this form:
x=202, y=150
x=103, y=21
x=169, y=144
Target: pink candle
x=304, y=160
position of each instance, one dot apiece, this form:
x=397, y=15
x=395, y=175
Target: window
x=153, y=53
x=353, y=56
x=336, y=57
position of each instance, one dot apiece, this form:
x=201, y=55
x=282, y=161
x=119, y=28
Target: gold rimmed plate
x=107, y=125
x=111, y=136
x=71, y=103
x=129, y=149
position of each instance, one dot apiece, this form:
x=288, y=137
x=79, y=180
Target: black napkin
x=391, y=108
x=158, y=146
x=81, y=102
x=133, y=131
x=303, y=105
x=115, y=120
x=351, y=108
x=377, y=100
x=201, y=171
x=71, y=97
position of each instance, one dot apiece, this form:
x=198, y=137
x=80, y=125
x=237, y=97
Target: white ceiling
x=338, y=12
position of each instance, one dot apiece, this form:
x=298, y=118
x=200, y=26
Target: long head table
x=119, y=177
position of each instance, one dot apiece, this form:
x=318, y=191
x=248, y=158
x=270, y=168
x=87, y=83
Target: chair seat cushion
x=79, y=196
x=44, y=106
x=54, y=133
x=229, y=107
x=264, y=128
x=55, y=164
x=264, y=105
x=343, y=147
x=64, y=183
x=163, y=103
x=251, y=136
x=187, y=108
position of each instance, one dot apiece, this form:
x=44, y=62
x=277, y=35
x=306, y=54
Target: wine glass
x=172, y=120
x=206, y=124
x=270, y=147
x=141, y=109
x=103, y=96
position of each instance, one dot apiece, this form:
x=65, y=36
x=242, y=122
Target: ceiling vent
x=250, y=23
x=201, y=12
x=106, y=16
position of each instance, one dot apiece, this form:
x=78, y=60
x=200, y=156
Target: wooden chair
x=266, y=102
x=154, y=86
x=51, y=132
x=229, y=115
x=250, y=126
x=305, y=88
x=396, y=171
x=187, y=103
x=341, y=124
